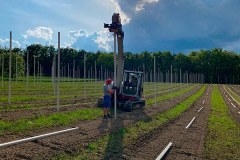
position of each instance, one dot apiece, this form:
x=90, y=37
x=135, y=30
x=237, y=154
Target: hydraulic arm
x=116, y=27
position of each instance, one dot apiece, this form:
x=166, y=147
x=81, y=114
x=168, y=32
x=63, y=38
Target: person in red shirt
x=107, y=98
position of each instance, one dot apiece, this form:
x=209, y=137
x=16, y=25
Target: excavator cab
x=132, y=84
x=130, y=91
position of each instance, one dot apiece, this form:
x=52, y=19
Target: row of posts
x=158, y=76
x=104, y=73
x=10, y=71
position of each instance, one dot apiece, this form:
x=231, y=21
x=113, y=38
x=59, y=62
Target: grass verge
x=113, y=144
x=223, y=136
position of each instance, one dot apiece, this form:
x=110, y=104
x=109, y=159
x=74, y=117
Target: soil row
x=186, y=143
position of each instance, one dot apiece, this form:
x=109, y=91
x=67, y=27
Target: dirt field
x=88, y=132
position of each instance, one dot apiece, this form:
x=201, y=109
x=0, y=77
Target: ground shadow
x=116, y=129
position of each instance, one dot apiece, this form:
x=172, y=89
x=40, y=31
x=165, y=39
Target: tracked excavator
x=129, y=84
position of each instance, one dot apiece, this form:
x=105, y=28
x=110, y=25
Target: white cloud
x=124, y=18
x=44, y=33
x=91, y=41
x=79, y=33
x=140, y=5
x=103, y=40
x=6, y=43
x=65, y=45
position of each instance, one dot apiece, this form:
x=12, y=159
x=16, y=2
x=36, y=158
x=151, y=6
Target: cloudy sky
x=149, y=25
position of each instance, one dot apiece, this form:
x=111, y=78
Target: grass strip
x=223, y=136
x=56, y=119
x=148, y=89
x=170, y=95
x=162, y=90
x=104, y=147
x=232, y=93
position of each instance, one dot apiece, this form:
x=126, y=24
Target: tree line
x=216, y=65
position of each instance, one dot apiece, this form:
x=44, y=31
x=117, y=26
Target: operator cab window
x=130, y=84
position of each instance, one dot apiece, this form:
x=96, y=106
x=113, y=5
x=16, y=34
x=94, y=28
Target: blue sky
x=149, y=25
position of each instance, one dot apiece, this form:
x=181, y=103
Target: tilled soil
x=186, y=143
x=88, y=132
x=234, y=107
